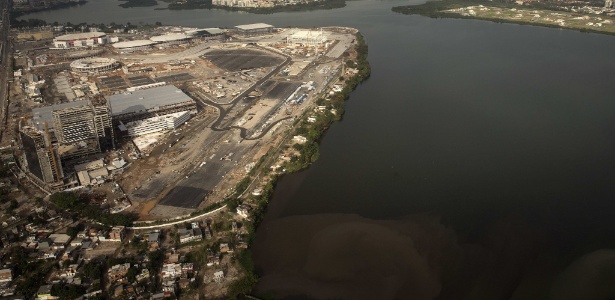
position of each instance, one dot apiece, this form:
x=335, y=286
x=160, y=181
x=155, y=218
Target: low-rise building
x=6, y=275
x=153, y=241
x=190, y=235
x=219, y=276
x=117, y=234
x=118, y=271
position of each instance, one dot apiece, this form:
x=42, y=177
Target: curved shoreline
x=442, y=9
x=245, y=284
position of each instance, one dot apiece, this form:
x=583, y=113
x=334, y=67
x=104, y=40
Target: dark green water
x=478, y=162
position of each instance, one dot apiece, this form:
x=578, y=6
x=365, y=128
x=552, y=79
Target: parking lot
x=175, y=77
x=242, y=59
x=113, y=82
x=140, y=80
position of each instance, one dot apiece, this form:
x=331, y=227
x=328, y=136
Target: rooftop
x=79, y=36
x=133, y=44
x=143, y=100
x=207, y=30
x=254, y=26
x=170, y=37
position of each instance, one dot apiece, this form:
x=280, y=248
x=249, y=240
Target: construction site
x=176, y=131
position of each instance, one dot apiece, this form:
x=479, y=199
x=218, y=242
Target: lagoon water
x=477, y=162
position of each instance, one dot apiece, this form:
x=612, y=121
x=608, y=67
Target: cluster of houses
x=40, y=241
x=177, y=275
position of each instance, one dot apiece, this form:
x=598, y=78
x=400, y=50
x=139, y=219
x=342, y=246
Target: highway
x=5, y=68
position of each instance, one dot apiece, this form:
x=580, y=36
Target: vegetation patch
x=138, y=3
x=80, y=205
x=545, y=14
x=308, y=153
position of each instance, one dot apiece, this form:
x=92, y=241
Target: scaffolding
x=81, y=129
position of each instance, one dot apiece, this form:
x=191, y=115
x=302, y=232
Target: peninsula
x=137, y=161
x=582, y=16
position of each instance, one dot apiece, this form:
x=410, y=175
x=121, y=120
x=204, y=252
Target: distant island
x=548, y=14
x=256, y=6
x=138, y=3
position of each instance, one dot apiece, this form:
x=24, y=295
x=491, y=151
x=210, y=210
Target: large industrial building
x=39, y=157
x=147, y=103
x=136, y=45
x=254, y=29
x=170, y=39
x=83, y=39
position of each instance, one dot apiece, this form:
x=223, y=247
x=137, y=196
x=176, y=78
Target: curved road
x=223, y=112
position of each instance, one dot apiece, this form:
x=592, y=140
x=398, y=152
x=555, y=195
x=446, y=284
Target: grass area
x=546, y=15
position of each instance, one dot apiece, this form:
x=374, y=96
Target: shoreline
x=246, y=283
x=319, y=5
x=456, y=9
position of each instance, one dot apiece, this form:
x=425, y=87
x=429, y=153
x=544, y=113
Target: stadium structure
x=94, y=65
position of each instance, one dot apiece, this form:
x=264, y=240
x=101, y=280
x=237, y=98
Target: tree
x=67, y=291
x=132, y=273
x=72, y=231
x=14, y=204
x=64, y=200
x=92, y=271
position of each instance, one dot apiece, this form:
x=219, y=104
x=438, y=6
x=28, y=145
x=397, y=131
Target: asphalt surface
x=5, y=69
x=242, y=59
x=191, y=191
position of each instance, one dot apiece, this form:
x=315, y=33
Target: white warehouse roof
x=143, y=100
x=170, y=37
x=207, y=30
x=215, y=30
x=254, y=26
x=133, y=44
x=79, y=36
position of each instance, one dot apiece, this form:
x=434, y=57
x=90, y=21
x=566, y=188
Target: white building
x=219, y=276
x=307, y=38
x=83, y=39
x=155, y=124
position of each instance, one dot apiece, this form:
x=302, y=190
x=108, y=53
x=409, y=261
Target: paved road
x=5, y=68
x=192, y=190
